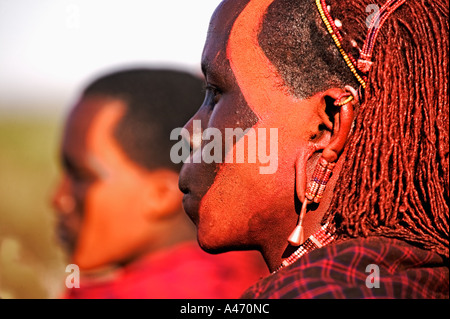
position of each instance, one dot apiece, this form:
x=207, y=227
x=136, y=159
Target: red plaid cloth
x=339, y=271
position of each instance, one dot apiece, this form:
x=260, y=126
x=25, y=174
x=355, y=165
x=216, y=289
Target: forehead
x=90, y=125
x=85, y=111
x=232, y=54
x=222, y=20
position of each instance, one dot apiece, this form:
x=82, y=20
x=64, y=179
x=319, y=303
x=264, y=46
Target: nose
x=195, y=126
x=62, y=200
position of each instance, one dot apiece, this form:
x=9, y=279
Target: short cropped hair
x=158, y=100
x=295, y=40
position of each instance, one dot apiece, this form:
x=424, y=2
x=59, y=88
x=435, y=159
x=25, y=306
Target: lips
x=65, y=235
x=190, y=204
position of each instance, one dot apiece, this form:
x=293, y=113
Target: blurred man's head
x=118, y=197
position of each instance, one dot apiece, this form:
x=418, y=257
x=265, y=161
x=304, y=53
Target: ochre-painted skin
x=233, y=205
x=104, y=199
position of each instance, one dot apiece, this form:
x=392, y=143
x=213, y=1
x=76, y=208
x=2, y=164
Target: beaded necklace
x=320, y=238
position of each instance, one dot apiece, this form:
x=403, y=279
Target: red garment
x=184, y=271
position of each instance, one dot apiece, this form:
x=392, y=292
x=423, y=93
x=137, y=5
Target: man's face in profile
x=232, y=203
x=99, y=197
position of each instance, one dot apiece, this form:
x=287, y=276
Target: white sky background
x=50, y=49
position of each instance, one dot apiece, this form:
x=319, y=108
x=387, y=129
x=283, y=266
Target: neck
x=167, y=233
x=275, y=252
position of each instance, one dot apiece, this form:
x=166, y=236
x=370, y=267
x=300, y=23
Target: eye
x=82, y=176
x=79, y=174
x=213, y=94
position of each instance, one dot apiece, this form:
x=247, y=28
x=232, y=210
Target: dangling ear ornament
x=314, y=193
x=323, y=171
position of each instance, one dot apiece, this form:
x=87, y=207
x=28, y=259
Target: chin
x=86, y=263
x=214, y=249
x=214, y=244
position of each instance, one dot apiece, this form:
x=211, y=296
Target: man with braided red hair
x=358, y=93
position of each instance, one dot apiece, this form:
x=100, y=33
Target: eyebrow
x=71, y=165
x=67, y=163
x=208, y=71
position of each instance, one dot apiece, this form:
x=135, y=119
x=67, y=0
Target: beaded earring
x=314, y=193
x=321, y=175
x=319, y=180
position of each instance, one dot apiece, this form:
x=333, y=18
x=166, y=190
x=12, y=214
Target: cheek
x=224, y=210
x=240, y=192
x=110, y=210
x=235, y=189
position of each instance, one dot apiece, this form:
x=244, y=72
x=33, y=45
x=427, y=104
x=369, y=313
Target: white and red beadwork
x=321, y=238
x=319, y=180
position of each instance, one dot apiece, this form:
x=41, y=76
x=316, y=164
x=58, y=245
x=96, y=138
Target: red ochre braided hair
x=395, y=177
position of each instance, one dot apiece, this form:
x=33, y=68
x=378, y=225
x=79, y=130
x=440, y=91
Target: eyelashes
x=213, y=94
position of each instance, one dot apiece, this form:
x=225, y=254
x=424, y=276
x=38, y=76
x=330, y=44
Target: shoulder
x=374, y=267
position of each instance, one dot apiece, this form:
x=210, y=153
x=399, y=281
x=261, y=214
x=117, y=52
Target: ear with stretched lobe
x=342, y=113
x=338, y=120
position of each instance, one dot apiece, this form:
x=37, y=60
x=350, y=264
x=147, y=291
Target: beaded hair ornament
x=324, y=168
x=364, y=63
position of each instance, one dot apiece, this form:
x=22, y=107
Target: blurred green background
x=32, y=265
x=49, y=50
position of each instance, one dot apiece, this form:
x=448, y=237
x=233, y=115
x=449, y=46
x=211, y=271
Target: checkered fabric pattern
x=338, y=271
